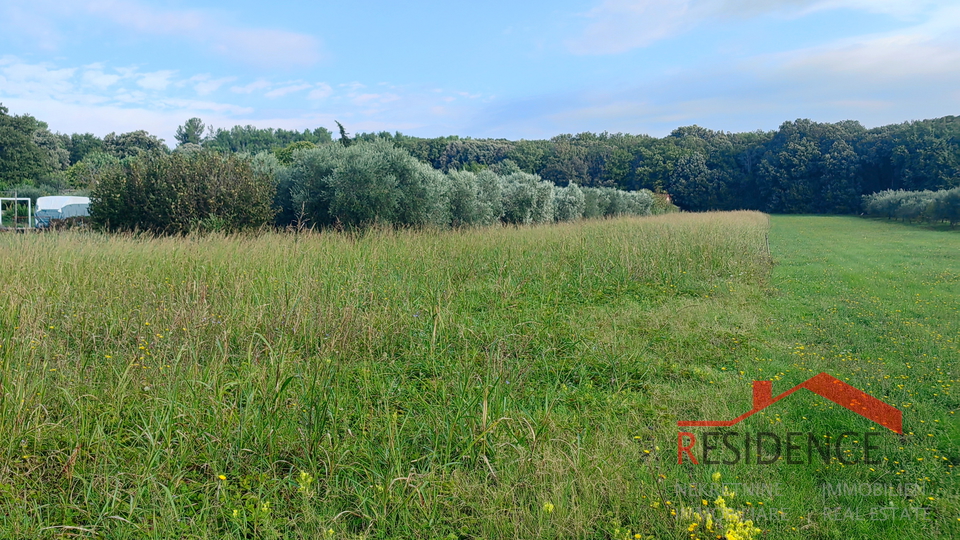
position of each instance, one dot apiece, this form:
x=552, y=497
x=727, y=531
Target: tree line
x=335, y=186
x=802, y=167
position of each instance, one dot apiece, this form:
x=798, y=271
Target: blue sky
x=509, y=69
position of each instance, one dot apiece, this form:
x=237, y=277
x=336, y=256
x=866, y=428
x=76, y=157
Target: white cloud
x=878, y=79
x=205, y=85
x=260, y=46
x=618, y=26
x=36, y=20
x=93, y=75
x=130, y=96
x=157, y=80
x=101, y=98
x=259, y=84
x=877, y=61
x=321, y=91
x=284, y=90
x=195, y=105
x=748, y=8
x=18, y=78
x=928, y=53
x=622, y=25
x=365, y=99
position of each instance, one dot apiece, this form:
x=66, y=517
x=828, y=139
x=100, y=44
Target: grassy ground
x=506, y=383
x=874, y=304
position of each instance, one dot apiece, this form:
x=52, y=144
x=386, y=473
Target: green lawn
x=500, y=383
x=877, y=305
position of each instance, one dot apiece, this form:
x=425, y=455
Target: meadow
x=509, y=382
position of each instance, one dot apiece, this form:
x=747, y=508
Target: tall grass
x=382, y=384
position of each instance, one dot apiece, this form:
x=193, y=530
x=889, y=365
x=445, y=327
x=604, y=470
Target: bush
x=180, y=192
x=569, y=203
x=526, y=199
x=943, y=205
x=489, y=198
x=463, y=198
x=285, y=154
x=366, y=183
x=639, y=203
x=946, y=206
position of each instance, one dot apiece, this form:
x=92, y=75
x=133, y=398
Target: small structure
x=60, y=207
x=14, y=211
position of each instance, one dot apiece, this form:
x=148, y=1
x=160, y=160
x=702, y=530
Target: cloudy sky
x=513, y=69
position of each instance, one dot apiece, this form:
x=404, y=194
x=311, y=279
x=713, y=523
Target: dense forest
x=803, y=167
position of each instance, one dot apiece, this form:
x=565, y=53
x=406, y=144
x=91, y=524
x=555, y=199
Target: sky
x=505, y=69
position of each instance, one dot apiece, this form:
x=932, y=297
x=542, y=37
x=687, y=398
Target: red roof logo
x=825, y=386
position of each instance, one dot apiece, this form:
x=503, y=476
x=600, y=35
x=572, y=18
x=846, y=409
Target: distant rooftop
x=56, y=203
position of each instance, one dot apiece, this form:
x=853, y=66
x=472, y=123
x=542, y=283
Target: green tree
x=22, y=161
x=946, y=206
x=344, y=138
x=692, y=185
x=82, y=144
x=285, y=154
x=132, y=144
x=190, y=132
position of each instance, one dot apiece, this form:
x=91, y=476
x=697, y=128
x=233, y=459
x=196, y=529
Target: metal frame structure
x=16, y=206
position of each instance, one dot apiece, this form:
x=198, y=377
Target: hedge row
x=932, y=206
x=377, y=182
x=333, y=186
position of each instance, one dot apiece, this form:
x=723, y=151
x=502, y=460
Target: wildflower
x=716, y=476
x=547, y=507
x=304, y=481
x=222, y=477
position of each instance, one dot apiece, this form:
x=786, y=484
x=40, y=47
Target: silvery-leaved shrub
x=569, y=203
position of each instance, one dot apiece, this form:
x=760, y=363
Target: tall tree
x=190, y=132
x=21, y=160
x=344, y=138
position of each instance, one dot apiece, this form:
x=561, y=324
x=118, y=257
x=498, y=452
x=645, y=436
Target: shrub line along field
x=480, y=383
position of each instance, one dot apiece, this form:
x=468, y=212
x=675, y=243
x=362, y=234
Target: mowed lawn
x=877, y=305
x=499, y=383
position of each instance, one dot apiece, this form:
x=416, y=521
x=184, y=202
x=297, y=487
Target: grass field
x=499, y=383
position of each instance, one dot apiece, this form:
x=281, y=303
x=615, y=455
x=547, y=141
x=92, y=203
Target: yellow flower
x=222, y=477
x=716, y=476
x=547, y=507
